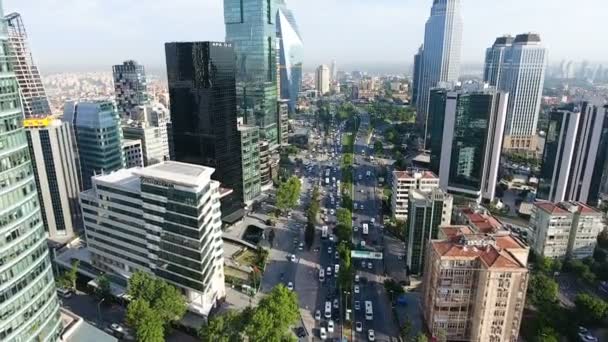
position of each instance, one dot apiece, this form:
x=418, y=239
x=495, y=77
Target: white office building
x=403, y=183
x=154, y=141
x=322, y=80
x=163, y=219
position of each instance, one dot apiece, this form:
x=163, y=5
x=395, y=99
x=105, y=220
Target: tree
x=343, y=233
x=103, y=288
x=546, y=334
x=163, y=298
x=273, y=316
x=226, y=327
x=146, y=322
x=378, y=147
x=309, y=234
x=590, y=309
x=602, y=239
x=406, y=329
x=288, y=193
x=420, y=338
x=344, y=217
x=68, y=279
x=543, y=289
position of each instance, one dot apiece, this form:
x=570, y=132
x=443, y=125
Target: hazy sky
x=96, y=34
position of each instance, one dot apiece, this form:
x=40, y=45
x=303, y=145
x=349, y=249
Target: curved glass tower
x=291, y=55
x=29, y=309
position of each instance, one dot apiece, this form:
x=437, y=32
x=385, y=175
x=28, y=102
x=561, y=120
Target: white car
x=330, y=326
x=356, y=278
x=373, y=220
x=318, y=315
x=357, y=305
x=331, y=211
x=371, y=335
x=290, y=286
x=356, y=288
x=328, y=272
x=292, y=258
x=323, y=333
x=355, y=228
x=329, y=249
x=117, y=328
x=361, y=207
x=358, y=327
x=370, y=265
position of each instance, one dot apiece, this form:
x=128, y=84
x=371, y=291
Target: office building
x=442, y=49
x=291, y=55
x=474, y=286
x=163, y=219
x=283, y=121
x=517, y=66
x=203, y=116
x=33, y=96
x=575, y=154
x=28, y=301
x=322, y=80
x=427, y=211
x=333, y=71
x=565, y=230
x=265, y=165
x=250, y=160
x=251, y=29
x=405, y=181
x=130, y=87
x=465, y=135
x=133, y=151
x=417, y=74
x=57, y=173
x=98, y=137
x=154, y=139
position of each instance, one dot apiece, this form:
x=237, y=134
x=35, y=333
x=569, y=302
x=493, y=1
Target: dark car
x=300, y=332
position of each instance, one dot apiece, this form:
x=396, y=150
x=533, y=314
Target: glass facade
x=423, y=224
x=436, y=117
x=29, y=309
x=291, y=55
x=130, y=87
x=203, y=113
x=251, y=29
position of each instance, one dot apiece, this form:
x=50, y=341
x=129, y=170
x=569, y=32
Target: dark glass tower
x=203, y=114
x=130, y=87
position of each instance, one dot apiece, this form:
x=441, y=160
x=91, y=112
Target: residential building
x=575, y=154
x=163, y=219
x=250, y=160
x=98, y=137
x=322, y=80
x=265, y=165
x=33, y=96
x=57, y=173
x=565, y=229
x=474, y=286
x=133, y=151
x=442, y=50
x=130, y=87
x=465, y=135
x=417, y=74
x=283, y=121
x=154, y=140
x=427, y=211
x=29, y=308
x=517, y=66
x=478, y=219
x=291, y=55
x=251, y=29
x=405, y=181
x=203, y=116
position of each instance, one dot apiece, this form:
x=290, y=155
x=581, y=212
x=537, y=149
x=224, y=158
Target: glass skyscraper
x=29, y=309
x=130, y=87
x=291, y=50
x=251, y=29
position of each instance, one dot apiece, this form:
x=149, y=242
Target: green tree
x=406, y=329
x=546, y=334
x=146, y=322
x=226, y=327
x=288, y=193
x=68, y=279
x=166, y=300
x=273, y=316
x=378, y=147
x=344, y=217
x=602, y=239
x=590, y=309
x=420, y=338
x=103, y=288
x=543, y=289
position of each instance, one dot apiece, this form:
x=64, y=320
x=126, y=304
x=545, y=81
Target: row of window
x=15, y=288
x=22, y=265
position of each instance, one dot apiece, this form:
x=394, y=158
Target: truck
x=324, y=232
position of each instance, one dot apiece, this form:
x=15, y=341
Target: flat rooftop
x=176, y=172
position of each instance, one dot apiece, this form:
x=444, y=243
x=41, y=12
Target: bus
x=369, y=311
x=365, y=229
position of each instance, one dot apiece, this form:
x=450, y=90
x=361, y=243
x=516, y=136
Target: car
x=370, y=265
x=329, y=249
x=361, y=207
x=371, y=335
x=64, y=293
x=362, y=243
x=358, y=327
x=363, y=263
x=318, y=315
x=331, y=238
x=356, y=288
x=301, y=246
x=373, y=220
x=355, y=228
x=290, y=286
x=328, y=272
x=336, y=304
x=585, y=335
x=323, y=333
x=117, y=328
x=330, y=326
x=336, y=255
x=357, y=278
x=292, y=258
x=331, y=211
x=362, y=191
x=301, y=332
x=357, y=305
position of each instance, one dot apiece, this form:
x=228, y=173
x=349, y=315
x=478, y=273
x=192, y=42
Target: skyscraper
x=417, y=74
x=471, y=126
x=250, y=154
x=203, y=114
x=33, y=96
x=333, y=71
x=98, y=137
x=291, y=50
x=518, y=68
x=322, y=80
x=442, y=49
x=251, y=29
x=575, y=154
x=130, y=87
x=28, y=299
x=57, y=173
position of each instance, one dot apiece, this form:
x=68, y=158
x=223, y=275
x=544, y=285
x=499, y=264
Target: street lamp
x=99, y=311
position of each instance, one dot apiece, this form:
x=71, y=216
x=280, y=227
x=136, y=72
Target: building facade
x=575, y=155
x=442, y=50
x=283, y=121
x=427, y=211
x=98, y=137
x=322, y=80
x=495, y=60
x=163, y=219
x=565, y=230
x=403, y=182
x=417, y=74
x=474, y=286
x=130, y=87
x=291, y=55
x=33, y=95
x=29, y=308
x=265, y=165
x=250, y=154
x=57, y=173
x=203, y=116
x=132, y=149
x=154, y=140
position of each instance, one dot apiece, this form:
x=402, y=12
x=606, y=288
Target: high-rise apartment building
x=132, y=149
x=29, y=309
x=517, y=66
x=575, y=154
x=322, y=80
x=33, y=96
x=566, y=229
x=203, y=116
x=250, y=160
x=98, y=137
x=283, y=121
x=130, y=87
x=442, y=50
x=474, y=286
x=251, y=29
x=466, y=128
x=163, y=219
x=57, y=173
x=427, y=211
x=291, y=55
x=417, y=74
x=403, y=182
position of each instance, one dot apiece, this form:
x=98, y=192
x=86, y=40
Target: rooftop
x=176, y=172
x=123, y=178
x=564, y=208
x=490, y=256
x=481, y=222
x=414, y=175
